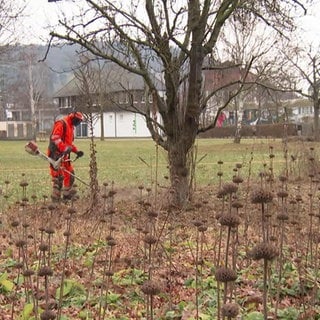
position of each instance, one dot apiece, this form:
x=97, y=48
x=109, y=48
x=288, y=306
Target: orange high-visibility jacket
x=62, y=135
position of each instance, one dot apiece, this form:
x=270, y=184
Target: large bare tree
x=171, y=39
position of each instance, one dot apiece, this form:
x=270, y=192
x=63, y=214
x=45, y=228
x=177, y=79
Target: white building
x=117, y=109
x=121, y=125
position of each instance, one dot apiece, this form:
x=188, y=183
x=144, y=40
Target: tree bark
x=239, y=102
x=179, y=174
x=316, y=121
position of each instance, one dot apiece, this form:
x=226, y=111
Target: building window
x=135, y=97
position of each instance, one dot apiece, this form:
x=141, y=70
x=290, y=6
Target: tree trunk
x=32, y=103
x=316, y=122
x=102, y=126
x=179, y=173
x=239, y=102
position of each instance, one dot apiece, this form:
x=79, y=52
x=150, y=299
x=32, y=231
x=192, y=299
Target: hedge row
x=262, y=130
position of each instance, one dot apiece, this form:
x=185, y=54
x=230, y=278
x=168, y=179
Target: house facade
x=116, y=110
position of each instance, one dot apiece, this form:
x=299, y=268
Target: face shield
x=77, y=118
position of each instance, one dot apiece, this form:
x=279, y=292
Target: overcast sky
x=40, y=14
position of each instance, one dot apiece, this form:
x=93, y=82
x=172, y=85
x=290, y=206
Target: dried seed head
x=112, y=193
x=230, y=220
x=316, y=238
x=20, y=243
x=150, y=288
x=220, y=162
x=197, y=223
x=15, y=223
x=237, y=204
x=282, y=194
x=109, y=273
x=24, y=183
x=264, y=250
x=43, y=247
x=45, y=271
x=219, y=173
x=112, y=243
x=18, y=265
x=230, y=188
x=49, y=230
x=28, y=273
x=273, y=238
x=221, y=193
x=202, y=228
x=230, y=310
x=237, y=180
x=238, y=165
x=149, y=239
x=224, y=274
x=152, y=214
x=71, y=210
x=48, y=315
x=52, y=206
x=283, y=178
x=261, y=196
x=283, y=216
x=67, y=233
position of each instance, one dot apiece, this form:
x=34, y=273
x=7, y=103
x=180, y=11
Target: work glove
x=80, y=154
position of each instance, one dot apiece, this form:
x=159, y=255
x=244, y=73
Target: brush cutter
x=32, y=148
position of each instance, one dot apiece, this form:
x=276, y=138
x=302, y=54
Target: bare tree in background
x=245, y=40
x=10, y=11
x=31, y=85
x=299, y=72
x=171, y=39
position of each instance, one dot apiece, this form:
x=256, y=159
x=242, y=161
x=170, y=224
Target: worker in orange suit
x=61, y=145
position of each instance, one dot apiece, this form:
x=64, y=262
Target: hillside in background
x=58, y=62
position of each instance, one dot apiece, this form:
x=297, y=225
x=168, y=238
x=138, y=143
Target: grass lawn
x=130, y=162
